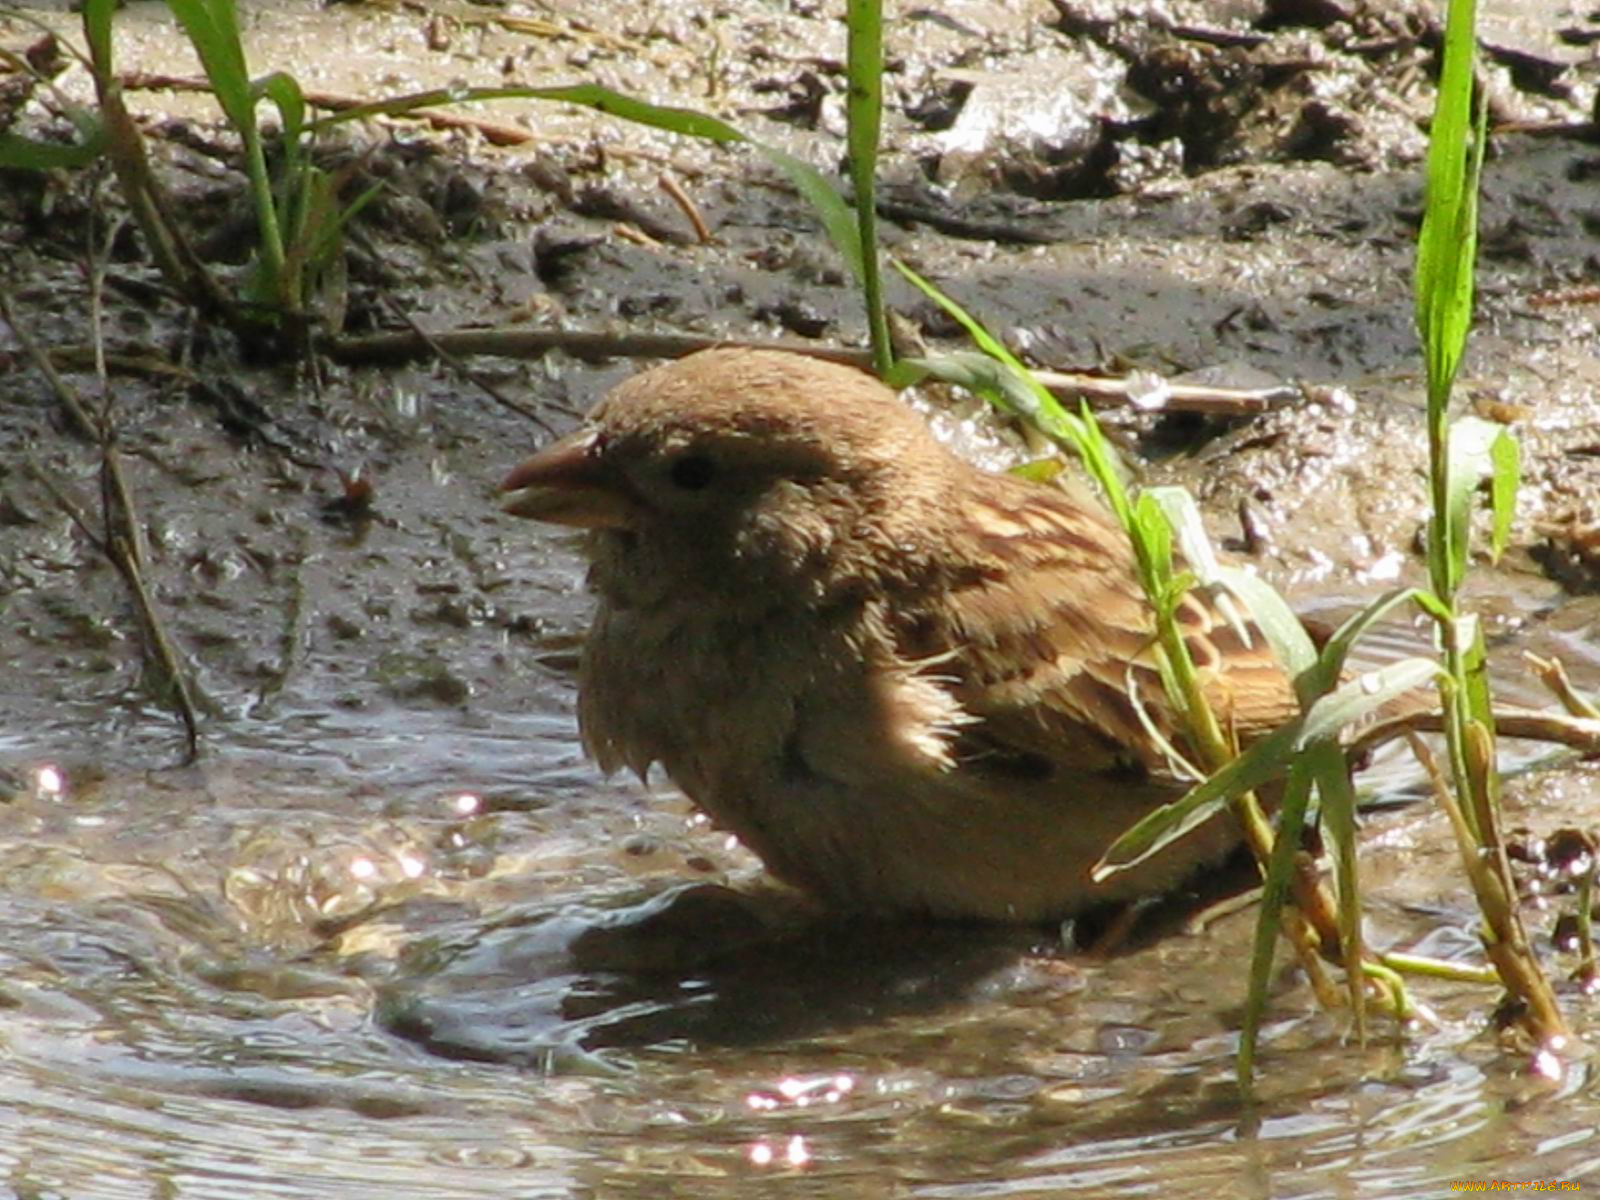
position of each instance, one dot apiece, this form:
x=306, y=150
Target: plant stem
x=865, y=72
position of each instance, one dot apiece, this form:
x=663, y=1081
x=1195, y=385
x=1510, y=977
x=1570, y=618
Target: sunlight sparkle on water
x=1547, y=1062
x=466, y=804
x=49, y=783
x=363, y=868
x=795, y=1153
x=802, y=1092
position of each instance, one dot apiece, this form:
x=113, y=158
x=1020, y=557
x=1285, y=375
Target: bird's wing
x=1050, y=640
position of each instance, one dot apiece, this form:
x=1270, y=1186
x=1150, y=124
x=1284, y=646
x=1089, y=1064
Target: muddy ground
x=1222, y=191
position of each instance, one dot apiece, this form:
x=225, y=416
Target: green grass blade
x=30, y=155
x=1274, y=895
x=973, y=370
x=1330, y=663
x=1475, y=664
x=618, y=104
x=1337, y=800
x=1505, y=457
x=864, y=116
x=1183, y=519
x=837, y=219
x=1265, y=760
x=1151, y=523
x=284, y=92
x=296, y=176
x=1194, y=545
x=1478, y=450
x=1035, y=403
x=97, y=16
x=1361, y=697
x=1447, y=244
x=211, y=27
x=1274, y=618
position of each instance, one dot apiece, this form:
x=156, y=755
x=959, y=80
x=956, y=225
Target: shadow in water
x=704, y=965
x=699, y=965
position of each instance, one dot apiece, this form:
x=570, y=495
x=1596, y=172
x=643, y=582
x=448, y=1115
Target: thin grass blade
x=1275, y=619
x=1336, y=798
x=1447, y=244
x=1505, y=479
x=1263, y=761
x=864, y=120
x=1330, y=663
x=1269, y=920
x=1476, y=452
x=29, y=155
x=1361, y=697
x=211, y=26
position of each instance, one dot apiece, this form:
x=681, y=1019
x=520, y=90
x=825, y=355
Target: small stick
x=1578, y=733
x=590, y=344
x=1554, y=676
x=77, y=416
x=125, y=547
x=691, y=211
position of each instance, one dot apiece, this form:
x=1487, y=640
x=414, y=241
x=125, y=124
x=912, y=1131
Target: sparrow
x=910, y=686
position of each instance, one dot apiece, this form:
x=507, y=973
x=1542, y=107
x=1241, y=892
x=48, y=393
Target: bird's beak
x=566, y=483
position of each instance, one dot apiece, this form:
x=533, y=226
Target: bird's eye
x=692, y=472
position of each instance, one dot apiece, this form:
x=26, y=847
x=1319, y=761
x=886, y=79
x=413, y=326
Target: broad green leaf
x=1447, y=244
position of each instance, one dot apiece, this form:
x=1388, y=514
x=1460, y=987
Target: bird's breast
x=712, y=699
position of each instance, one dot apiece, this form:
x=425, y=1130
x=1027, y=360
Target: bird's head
x=758, y=464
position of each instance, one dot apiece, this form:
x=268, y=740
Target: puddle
x=391, y=935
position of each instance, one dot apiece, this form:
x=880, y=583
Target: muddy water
x=391, y=936
x=220, y=981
